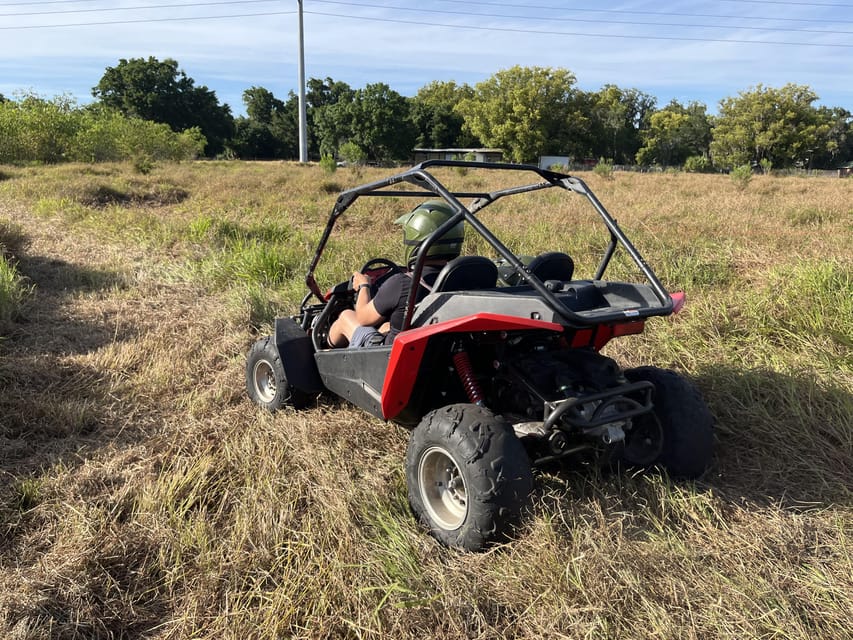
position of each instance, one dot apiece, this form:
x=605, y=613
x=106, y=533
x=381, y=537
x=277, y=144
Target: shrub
x=604, y=168
x=37, y=130
x=48, y=131
x=697, y=164
x=352, y=154
x=741, y=176
x=327, y=163
x=766, y=165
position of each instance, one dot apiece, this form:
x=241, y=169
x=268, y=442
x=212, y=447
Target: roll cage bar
x=428, y=185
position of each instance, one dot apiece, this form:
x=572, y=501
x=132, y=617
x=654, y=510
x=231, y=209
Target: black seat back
x=465, y=273
x=553, y=265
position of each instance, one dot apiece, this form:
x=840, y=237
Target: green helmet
x=421, y=222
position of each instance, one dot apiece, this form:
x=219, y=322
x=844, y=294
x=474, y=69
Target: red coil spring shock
x=466, y=374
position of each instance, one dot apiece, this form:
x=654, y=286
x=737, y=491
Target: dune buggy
x=499, y=369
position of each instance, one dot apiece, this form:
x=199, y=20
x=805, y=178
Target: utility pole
x=303, y=124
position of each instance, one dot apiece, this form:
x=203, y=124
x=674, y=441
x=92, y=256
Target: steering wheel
x=379, y=263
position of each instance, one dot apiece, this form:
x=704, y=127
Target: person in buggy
x=378, y=315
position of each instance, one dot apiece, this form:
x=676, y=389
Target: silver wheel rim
x=442, y=488
x=264, y=378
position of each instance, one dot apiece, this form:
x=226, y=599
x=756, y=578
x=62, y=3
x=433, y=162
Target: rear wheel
x=678, y=433
x=469, y=477
x=266, y=381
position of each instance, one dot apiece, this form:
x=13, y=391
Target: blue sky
x=688, y=50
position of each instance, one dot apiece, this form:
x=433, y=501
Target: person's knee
x=342, y=328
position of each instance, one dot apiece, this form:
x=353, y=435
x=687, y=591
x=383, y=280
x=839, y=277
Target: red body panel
x=408, y=349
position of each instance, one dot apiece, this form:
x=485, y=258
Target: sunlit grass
x=144, y=496
x=13, y=286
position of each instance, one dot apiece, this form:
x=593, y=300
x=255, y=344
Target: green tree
x=380, y=123
x=621, y=116
x=320, y=93
x=674, y=134
x=270, y=129
x=437, y=123
x=161, y=92
x=261, y=104
x=376, y=118
x=524, y=110
x=839, y=137
x=324, y=135
x=779, y=125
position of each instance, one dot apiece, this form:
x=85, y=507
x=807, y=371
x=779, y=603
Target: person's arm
x=365, y=311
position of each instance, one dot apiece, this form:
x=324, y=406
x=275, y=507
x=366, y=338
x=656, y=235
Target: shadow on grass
x=781, y=441
x=44, y=394
x=783, y=438
x=51, y=406
x=57, y=410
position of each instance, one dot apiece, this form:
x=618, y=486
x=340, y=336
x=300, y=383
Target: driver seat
x=466, y=273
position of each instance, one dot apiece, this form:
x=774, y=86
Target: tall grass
x=13, y=286
x=145, y=497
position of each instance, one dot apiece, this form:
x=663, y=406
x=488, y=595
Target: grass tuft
x=14, y=287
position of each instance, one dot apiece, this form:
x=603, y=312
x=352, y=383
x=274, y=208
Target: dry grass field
x=143, y=496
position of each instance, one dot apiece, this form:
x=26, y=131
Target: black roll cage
x=429, y=185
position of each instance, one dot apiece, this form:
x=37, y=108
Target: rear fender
x=409, y=346
x=297, y=356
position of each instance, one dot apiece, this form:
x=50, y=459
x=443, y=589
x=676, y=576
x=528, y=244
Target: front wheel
x=678, y=433
x=266, y=382
x=469, y=477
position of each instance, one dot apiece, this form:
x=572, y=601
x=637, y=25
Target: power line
x=506, y=5
x=442, y=25
x=37, y=2
x=526, y=6
x=584, y=34
x=643, y=12
x=561, y=8
x=438, y=11
x=465, y=13
x=789, y=3
x=586, y=20
x=144, y=20
x=139, y=7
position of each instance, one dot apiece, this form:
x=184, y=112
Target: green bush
x=36, y=130
x=604, y=168
x=697, y=164
x=328, y=163
x=352, y=154
x=766, y=165
x=741, y=176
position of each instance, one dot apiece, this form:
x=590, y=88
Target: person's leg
x=342, y=329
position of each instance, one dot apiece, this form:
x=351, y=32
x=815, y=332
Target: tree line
x=526, y=111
